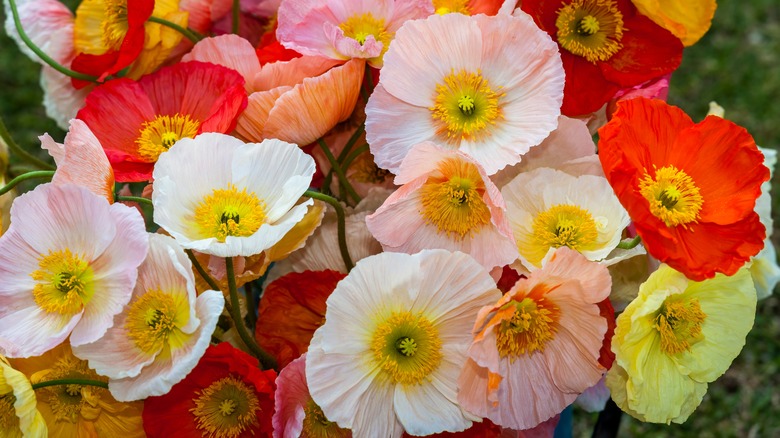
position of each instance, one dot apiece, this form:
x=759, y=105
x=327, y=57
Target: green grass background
x=736, y=64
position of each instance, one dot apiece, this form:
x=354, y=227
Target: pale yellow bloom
x=676, y=337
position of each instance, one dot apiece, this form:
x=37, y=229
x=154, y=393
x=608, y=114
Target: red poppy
x=689, y=188
x=271, y=50
x=292, y=308
x=606, y=45
x=137, y=121
x=225, y=395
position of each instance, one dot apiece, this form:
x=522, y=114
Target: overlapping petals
x=446, y=79
x=674, y=178
x=221, y=196
x=146, y=356
x=137, y=121
x=68, y=265
x=447, y=201
x=605, y=45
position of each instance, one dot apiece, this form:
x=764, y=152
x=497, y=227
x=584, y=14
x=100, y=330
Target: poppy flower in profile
x=137, y=121
x=110, y=35
x=676, y=180
x=606, y=45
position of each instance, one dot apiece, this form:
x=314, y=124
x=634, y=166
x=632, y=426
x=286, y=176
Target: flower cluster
x=372, y=218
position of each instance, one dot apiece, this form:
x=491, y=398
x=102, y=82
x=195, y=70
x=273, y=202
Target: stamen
x=158, y=135
x=465, y=107
x=672, y=196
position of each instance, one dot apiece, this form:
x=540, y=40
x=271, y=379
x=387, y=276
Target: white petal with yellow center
x=548, y=209
x=218, y=195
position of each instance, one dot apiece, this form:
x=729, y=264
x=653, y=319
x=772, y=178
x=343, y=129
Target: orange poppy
x=689, y=188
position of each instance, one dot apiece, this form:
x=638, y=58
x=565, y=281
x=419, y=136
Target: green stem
x=356, y=153
x=85, y=382
x=628, y=244
x=339, y=172
x=251, y=305
x=212, y=284
x=266, y=359
x=351, y=142
x=21, y=153
x=188, y=33
x=30, y=175
x=41, y=54
x=341, y=226
x=236, y=15
x=137, y=199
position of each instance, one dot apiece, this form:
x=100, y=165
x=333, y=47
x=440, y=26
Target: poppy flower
x=145, y=355
x=226, y=394
x=137, y=121
x=345, y=30
x=394, y=340
x=110, y=35
x=605, y=45
x=77, y=410
x=19, y=414
x=676, y=180
x=676, y=337
x=538, y=347
x=68, y=265
x=471, y=96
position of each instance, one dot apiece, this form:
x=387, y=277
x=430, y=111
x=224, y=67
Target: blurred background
x=736, y=64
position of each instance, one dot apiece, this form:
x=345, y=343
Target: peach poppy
x=677, y=181
x=539, y=346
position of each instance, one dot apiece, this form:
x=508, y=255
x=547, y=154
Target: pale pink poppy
x=537, y=348
x=489, y=86
x=68, y=264
x=81, y=160
x=146, y=355
x=348, y=29
x=447, y=201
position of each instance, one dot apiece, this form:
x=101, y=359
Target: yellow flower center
x=229, y=212
x=158, y=135
x=152, y=321
x=226, y=408
x=452, y=199
x=317, y=425
x=443, y=7
x=533, y=323
x=71, y=403
x=407, y=347
x=592, y=29
x=64, y=282
x=679, y=324
x=673, y=196
x=9, y=422
x=114, y=25
x=465, y=106
x=565, y=225
x=360, y=26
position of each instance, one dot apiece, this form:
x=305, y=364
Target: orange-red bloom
x=137, y=121
x=606, y=45
x=226, y=395
x=689, y=188
x=292, y=308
